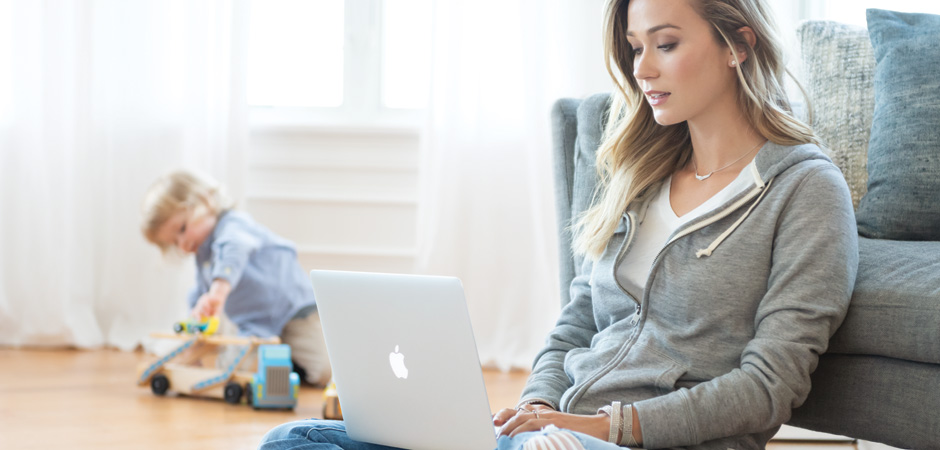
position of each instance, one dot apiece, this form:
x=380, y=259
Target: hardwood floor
x=89, y=400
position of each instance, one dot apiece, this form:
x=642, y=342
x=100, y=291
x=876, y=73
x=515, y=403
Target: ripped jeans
x=316, y=434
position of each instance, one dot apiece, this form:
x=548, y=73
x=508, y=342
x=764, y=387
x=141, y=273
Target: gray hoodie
x=737, y=308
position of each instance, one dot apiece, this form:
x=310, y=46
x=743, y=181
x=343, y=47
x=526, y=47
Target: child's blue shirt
x=269, y=288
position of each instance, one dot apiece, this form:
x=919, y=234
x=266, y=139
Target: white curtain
x=97, y=99
x=487, y=211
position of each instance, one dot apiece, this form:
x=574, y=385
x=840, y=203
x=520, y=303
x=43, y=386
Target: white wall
x=346, y=197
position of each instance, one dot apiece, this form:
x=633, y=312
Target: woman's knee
x=313, y=430
x=282, y=431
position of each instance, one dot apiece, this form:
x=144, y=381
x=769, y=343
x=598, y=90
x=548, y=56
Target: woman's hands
x=210, y=304
x=535, y=417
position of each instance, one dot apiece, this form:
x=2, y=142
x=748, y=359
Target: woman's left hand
x=515, y=421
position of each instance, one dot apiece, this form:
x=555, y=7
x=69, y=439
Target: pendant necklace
x=705, y=177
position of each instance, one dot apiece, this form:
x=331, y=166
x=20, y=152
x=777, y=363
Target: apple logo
x=397, y=360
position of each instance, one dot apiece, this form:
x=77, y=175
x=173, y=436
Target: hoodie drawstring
x=711, y=248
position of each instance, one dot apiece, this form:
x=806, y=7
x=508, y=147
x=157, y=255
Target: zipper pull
x=636, y=316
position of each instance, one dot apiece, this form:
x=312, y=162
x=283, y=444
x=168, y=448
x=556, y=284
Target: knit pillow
x=839, y=67
x=903, y=199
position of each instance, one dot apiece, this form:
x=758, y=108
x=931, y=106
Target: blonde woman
x=244, y=272
x=720, y=249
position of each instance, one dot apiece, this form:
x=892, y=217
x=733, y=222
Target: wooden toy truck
x=273, y=385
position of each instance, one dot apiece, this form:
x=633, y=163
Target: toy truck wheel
x=159, y=384
x=233, y=393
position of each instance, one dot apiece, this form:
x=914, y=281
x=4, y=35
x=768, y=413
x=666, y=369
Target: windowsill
x=336, y=121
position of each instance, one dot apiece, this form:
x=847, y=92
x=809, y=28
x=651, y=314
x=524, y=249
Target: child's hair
x=178, y=191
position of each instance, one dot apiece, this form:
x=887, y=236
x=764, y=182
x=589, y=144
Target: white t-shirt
x=659, y=224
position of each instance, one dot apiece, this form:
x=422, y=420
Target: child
x=244, y=272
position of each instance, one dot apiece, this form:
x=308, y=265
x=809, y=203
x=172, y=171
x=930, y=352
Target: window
x=329, y=62
x=295, y=53
x=853, y=11
x=789, y=14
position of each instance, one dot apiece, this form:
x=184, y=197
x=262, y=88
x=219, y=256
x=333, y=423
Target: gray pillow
x=903, y=199
x=838, y=74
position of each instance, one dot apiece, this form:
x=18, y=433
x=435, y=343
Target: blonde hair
x=636, y=152
x=178, y=191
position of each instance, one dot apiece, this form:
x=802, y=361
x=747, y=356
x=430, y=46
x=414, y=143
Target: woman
x=721, y=247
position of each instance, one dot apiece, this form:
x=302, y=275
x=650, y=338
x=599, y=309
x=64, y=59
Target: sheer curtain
x=97, y=99
x=487, y=213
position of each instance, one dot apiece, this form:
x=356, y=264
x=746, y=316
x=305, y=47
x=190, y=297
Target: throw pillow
x=904, y=150
x=838, y=71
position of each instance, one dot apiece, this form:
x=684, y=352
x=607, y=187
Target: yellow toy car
x=206, y=327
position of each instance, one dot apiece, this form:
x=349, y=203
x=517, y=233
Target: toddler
x=244, y=272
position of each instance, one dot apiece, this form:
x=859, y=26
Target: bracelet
x=627, y=427
x=536, y=402
x=616, y=421
x=623, y=420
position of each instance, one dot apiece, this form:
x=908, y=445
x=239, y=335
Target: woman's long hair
x=637, y=153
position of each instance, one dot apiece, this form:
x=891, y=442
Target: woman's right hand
x=536, y=417
x=503, y=416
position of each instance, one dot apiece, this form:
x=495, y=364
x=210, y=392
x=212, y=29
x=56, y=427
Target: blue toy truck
x=275, y=385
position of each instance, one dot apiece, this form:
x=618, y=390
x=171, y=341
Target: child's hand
x=211, y=303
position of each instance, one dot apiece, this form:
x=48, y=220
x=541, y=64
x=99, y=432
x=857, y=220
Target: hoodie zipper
x=627, y=241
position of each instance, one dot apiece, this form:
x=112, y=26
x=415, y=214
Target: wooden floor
x=89, y=400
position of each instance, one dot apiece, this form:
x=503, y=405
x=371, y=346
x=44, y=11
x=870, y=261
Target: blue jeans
x=316, y=434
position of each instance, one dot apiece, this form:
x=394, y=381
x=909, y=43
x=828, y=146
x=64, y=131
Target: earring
x=734, y=63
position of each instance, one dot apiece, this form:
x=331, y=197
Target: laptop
x=404, y=360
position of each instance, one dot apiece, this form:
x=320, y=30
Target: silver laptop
x=404, y=360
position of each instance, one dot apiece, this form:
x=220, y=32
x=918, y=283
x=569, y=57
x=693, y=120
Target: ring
x=536, y=413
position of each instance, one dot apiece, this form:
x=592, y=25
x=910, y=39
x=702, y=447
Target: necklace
x=705, y=177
